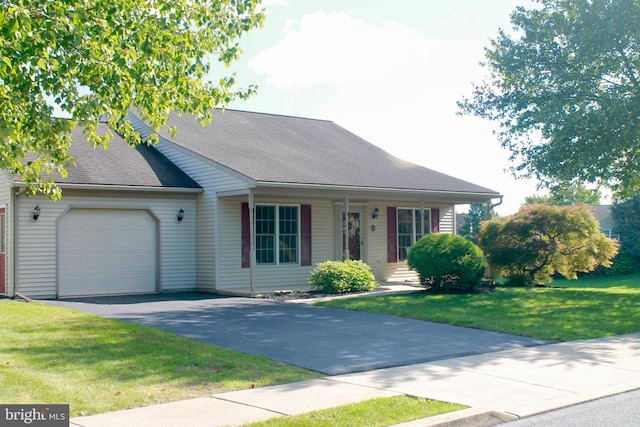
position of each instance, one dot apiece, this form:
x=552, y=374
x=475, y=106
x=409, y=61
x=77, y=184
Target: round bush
x=447, y=263
x=337, y=277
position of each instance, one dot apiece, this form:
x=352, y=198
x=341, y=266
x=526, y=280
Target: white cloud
x=395, y=87
x=337, y=48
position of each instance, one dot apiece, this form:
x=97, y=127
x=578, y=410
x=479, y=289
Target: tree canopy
x=564, y=87
x=470, y=229
x=567, y=195
x=96, y=60
x=541, y=240
x=626, y=214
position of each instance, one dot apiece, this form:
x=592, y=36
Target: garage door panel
x=104, y=251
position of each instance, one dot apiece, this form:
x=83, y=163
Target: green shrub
x=447, y=263
x=623, y=263
x=337, y=277
x=518, y=280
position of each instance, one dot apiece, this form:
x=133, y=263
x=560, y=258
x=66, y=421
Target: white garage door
x=104, y=251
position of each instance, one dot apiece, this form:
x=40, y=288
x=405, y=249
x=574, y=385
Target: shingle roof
x=122, y=165
x=282, y=149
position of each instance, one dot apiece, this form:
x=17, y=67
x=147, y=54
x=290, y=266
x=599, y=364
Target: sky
x=390, y=72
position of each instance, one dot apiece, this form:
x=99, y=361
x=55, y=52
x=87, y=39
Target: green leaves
x=447, y=263
x=542, y=239
x=565, y=91
x=101, y=58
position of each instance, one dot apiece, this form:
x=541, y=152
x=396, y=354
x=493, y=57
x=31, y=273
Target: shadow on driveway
x=322, y=339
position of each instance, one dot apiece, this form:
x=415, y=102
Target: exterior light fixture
x=180, y=216
x=36, y=213
x=375, y=213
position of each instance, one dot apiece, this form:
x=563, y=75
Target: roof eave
x=457, y=197
x=131, y=188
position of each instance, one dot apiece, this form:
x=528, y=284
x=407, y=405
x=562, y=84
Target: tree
x=567, y=195
x=478, y=212
x=565, y=90
x=97, y=60
x=626, y=215
x=542, y=239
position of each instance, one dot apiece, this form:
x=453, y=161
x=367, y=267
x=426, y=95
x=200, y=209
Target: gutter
x=367, y=189
x=493, y=205
x=444, y=196
x=107, y=187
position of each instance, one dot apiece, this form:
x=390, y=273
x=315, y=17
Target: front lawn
x=381, y=412
x=567, y=310
x=57, y=355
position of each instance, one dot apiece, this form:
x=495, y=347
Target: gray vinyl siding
x=447, y=219
x=36, y=252
x=377, y=241
x=212, y=178
x=325, y=244
x=235, y=279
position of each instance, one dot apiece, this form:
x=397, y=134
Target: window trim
x=276, y=235
x=427, y=227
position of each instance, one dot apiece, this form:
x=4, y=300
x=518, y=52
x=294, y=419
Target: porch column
x=252, y=245
x=345, y=234
x=422, y=230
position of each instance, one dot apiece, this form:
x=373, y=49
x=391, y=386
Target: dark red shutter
x=246, y=236
x=305, y=234
x=392, y=235
x=435, y=220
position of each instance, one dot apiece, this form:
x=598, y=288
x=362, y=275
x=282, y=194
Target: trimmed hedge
x=337, y=277
x=447, y=263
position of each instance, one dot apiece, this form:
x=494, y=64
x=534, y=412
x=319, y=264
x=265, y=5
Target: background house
x=264, y=198
x=604, y=215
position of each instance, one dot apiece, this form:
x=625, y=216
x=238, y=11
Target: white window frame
x=276, y=236
x=404, y=250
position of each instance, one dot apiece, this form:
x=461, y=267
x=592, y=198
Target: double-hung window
x=411, y=227
x=277, y=234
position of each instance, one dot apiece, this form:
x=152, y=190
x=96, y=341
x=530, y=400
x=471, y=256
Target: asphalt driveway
x=322, y=339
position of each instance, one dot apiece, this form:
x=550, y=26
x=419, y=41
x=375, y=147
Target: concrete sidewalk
x=497, y=387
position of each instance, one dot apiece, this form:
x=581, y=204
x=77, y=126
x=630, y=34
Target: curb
x=476, y=417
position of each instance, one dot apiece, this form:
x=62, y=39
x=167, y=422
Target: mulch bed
x=286, y=295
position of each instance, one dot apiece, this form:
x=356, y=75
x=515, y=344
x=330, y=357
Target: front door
x=3, y=247
x=353, y=237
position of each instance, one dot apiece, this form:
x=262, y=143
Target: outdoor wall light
x=180, y=216
x=375, y=213
x=36, y=213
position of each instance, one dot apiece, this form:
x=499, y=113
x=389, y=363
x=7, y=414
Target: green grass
x=568, y=310
x=381, y=412
x=58, y=355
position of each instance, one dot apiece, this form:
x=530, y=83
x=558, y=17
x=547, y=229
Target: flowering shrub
x=337, y=277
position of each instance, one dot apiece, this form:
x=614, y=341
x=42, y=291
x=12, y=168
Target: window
x=411, y=228
x=277, y=234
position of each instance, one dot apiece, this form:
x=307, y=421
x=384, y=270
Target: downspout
x=252, y=246
x=490, y=206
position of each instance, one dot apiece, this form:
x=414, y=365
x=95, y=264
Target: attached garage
x=107, y=252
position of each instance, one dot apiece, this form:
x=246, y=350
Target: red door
x=3, y=246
